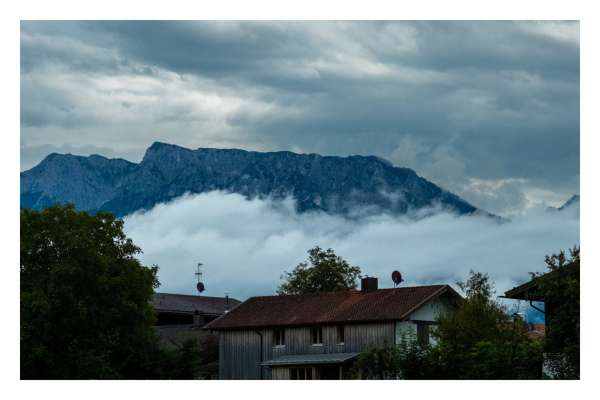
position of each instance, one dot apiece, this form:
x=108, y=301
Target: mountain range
x=572, y=202
x=337, y=185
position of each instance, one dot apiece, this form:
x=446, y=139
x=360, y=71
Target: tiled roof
x=332, y=307
x=540, y=328
x=187, y=304
x=538, y=331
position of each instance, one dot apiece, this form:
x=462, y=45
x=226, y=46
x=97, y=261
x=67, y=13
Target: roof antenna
x=200, y=285
x=397, y=278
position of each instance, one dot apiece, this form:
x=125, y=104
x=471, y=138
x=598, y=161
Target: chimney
x=368, y=284
x=226, y=302
x=198, y=318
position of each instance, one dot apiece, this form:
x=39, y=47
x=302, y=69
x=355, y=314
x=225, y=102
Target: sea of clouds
x=245, y=245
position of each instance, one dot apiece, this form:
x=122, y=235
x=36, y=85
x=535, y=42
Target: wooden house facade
x=320, y=335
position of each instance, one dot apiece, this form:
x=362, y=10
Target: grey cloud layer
x=489, y=101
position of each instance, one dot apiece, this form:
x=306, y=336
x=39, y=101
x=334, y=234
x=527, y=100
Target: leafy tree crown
x=559, y=288
x=84, y=296
x=326, y=273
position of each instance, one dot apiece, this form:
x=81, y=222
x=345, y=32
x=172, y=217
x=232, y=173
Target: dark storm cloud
x=490, y=101
x=494, y=47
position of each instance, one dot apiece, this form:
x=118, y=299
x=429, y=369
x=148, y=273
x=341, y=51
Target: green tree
x=149, y=357
x=182, y=359
x=414, y=357
x=326, y=273
x=475, y=338
x=480, y=339
x=85, y=299
x=559, y=289
x=376, y=362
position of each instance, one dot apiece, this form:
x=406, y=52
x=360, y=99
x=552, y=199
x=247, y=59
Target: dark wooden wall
x=239, y=350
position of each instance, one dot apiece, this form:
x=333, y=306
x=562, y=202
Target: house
x=536, y=331
x=180, y=315
x=528, y=292
x=319, y=335
x=178, y=309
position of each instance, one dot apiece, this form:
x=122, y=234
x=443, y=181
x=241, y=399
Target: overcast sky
x=487, y=110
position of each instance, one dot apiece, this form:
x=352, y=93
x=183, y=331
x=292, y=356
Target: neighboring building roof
x=187, y=304
x=332, y=358
x=528, y=290
x=175, y=333
x=332, y=307
x=540, y=328
x=525, y=291
x=538, y=331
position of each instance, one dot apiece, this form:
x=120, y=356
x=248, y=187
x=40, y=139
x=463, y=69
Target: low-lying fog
x=245, y=245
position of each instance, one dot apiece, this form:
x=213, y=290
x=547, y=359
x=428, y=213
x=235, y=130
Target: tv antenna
x=397, y=278
x=200, y=285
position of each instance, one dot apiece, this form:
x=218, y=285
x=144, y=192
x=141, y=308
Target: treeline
x=479, y=338
x=476, y=339
x=85, y=303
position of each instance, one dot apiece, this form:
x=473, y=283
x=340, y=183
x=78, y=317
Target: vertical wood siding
x=280, y=373
x=283, y=373
x=239, y=350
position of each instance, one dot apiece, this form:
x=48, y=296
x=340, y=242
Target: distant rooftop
x=187, y=304
x=538, y=331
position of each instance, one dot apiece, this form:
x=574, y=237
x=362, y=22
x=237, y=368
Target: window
x=301, y=373
x=279, y=337
x=340, y=334
x=317, y=336
x=423, y=332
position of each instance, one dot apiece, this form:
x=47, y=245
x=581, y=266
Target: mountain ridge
x=573, y=201
x=329, y=183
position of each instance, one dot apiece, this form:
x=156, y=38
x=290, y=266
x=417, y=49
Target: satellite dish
x=397, y=277
x=200, y=287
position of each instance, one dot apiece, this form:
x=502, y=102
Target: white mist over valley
x=245, y=245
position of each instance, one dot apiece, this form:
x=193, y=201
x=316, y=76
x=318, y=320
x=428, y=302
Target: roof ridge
x=329, y=307
x=425, y=301
x=343, y=291
x=196, y=295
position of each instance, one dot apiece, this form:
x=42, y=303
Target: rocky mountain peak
x=327, y=183
x=571, y=203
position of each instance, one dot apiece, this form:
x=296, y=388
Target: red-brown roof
x=538, y=331
x=540, y=328
x=332, y=307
